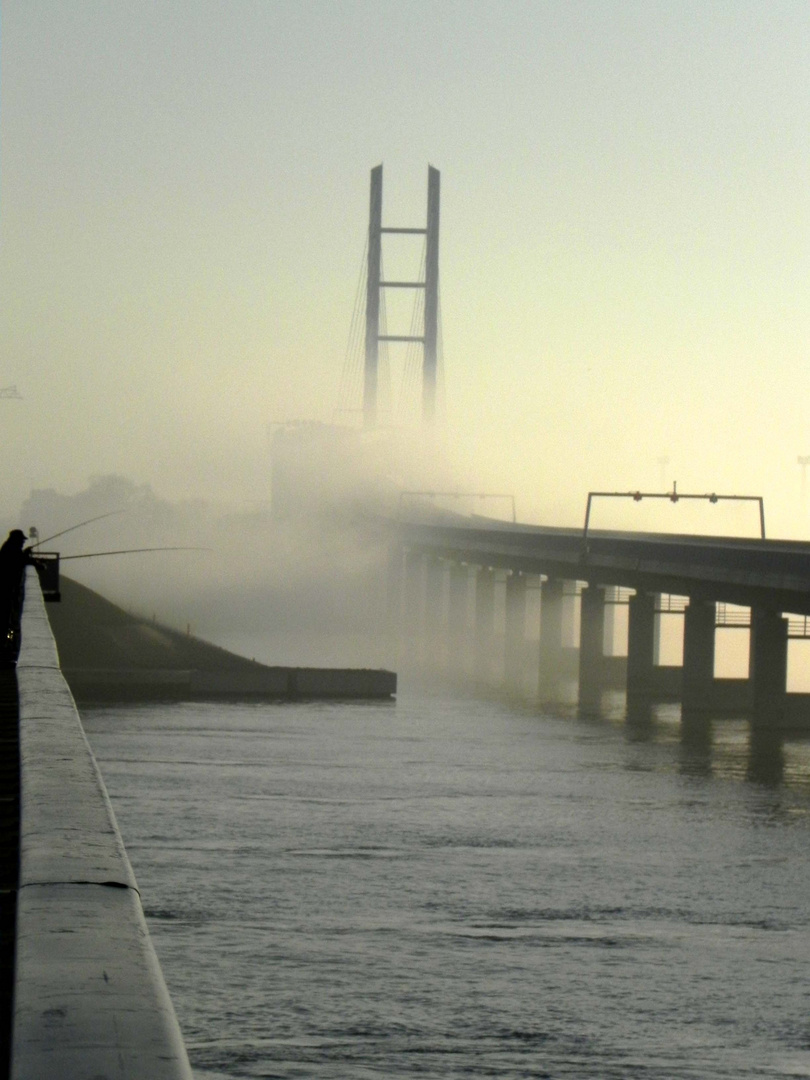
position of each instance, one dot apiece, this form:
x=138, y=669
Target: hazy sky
x=625, y=257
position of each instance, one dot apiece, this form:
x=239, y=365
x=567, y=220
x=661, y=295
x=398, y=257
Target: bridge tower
x=374, y=285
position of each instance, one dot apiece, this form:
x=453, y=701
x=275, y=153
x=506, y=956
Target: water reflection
x=731, y=747
x=696, y=744
x=704, y=744
x=532, y=877
x=766, y=758
x=639, y=719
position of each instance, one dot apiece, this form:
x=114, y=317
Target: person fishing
x=14, y=557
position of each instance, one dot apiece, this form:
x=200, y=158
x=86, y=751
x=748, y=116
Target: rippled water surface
x=458, y=887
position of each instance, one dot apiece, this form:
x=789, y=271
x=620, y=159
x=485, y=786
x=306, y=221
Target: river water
x=456, y=886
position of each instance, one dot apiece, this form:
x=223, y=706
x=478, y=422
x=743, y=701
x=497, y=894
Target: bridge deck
x=771, y=573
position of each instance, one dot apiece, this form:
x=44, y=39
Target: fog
x=302, y=587
x=624, y=262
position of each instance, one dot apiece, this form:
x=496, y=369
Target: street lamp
x=673, y=496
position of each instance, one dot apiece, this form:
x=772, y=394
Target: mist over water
x=452, y=883
x=302, y=588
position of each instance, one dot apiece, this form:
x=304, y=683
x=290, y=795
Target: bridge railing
x=89, y=995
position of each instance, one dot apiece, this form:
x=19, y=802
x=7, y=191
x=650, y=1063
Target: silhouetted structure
x=770, y=577
x=13, y=559
x=430, y=333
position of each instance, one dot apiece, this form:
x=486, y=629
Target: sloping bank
x=89, y=996
x=109, y=654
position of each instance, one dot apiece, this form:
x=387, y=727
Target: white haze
x=624, y=266
x=302, y=583
x=624, y=239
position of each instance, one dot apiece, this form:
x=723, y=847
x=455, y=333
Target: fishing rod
x=81, y=524
x=47, y=562
x=130, y=551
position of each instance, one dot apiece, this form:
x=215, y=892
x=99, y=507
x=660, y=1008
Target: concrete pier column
x=434, y=595
x=457, y=604
x=484, y=621
x=591, y=645
x=551, y=626
x=570, y=603
x=659, y=599
x=413, y=600
x=393, y=598
x=434, y=635
x=515, y=648
x=413, y=606
x=698, y=657
x=768, y=666
x=609, y=621
x=640, y=644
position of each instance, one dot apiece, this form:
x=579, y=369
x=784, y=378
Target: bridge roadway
x=771, y=574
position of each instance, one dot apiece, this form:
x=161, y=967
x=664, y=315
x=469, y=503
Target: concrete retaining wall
x=89, y=997
x=141, y=684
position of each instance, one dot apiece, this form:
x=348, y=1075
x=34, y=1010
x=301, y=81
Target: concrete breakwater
x=108, y=654
x=88, y=995
x=117, y=684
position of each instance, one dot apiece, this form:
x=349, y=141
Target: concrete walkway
x=89, y=996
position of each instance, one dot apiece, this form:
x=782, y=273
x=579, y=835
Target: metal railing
x=729, y=616
x=670, y=604
x=618, y=595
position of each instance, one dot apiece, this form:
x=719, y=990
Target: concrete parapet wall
x=89, y=996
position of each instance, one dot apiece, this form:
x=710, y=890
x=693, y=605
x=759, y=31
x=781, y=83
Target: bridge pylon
x=374, y=285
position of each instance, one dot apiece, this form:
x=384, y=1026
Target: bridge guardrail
x=89, y=996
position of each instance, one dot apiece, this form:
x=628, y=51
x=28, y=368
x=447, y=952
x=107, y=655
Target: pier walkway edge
x=89, y=997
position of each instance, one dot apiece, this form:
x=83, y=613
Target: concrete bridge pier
x=641, y=645
x=484, y=622
x=551, y=630
x=515, y=646
x=434, y=631
x=609, y=647
x=768, y=666
x=413, y=603
x=457, y=604
x=591, y=646
x=393, y=598
x=659, y=599
x=697, y=677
